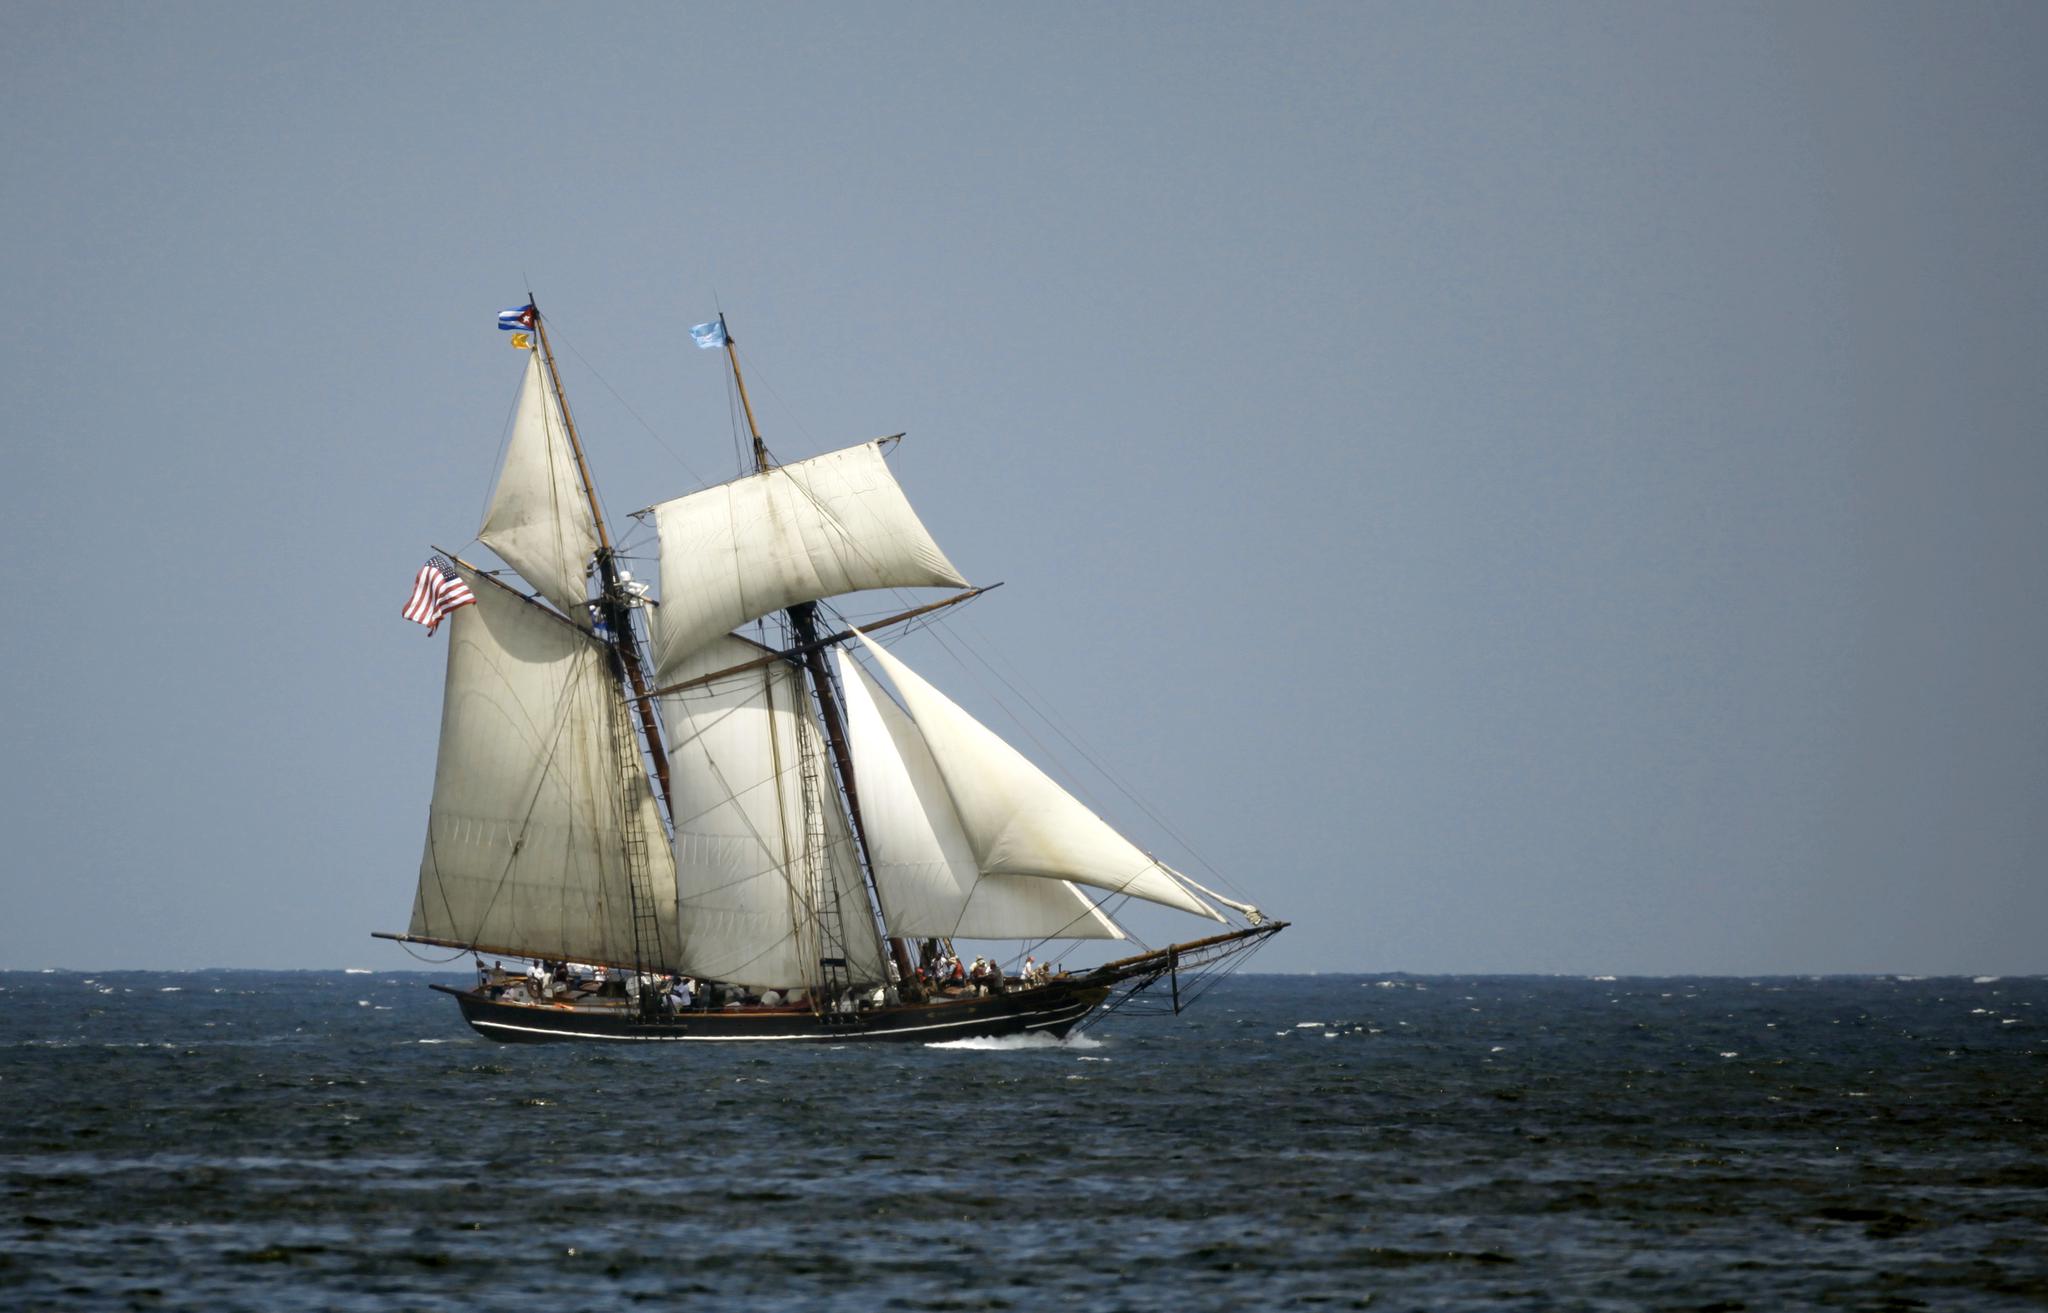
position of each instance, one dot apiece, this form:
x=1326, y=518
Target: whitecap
x=172, y=989
x=1986, y=980
x=355, y=971
x=1308, y=1025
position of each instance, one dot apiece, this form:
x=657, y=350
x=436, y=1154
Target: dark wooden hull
x=1052, y=1008
x=1049, y=1009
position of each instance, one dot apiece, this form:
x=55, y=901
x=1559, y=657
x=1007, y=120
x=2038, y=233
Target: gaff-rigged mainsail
x=766, y=896
x=536, y=786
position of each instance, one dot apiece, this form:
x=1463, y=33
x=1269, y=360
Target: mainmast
x=803, y=625
x=614, y=603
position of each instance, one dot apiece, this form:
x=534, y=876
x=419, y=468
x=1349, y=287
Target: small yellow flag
x=522, y=342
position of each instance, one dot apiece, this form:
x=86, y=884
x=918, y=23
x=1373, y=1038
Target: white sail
x=526, y=846
x=1016, y=819
x=539, y=520
x=833, y=524
x=754, y=910
x=925, y=871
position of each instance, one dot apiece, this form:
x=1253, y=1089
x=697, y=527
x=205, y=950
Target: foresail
x=836, y=523
x=1016, y=819
x=754, y=909
x=539, y=519
x=526, y=835
x=925, y=871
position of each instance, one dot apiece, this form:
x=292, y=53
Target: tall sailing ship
x=748, y=838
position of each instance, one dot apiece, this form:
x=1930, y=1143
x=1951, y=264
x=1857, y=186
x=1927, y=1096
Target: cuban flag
x=709, y=336
x=518, y=317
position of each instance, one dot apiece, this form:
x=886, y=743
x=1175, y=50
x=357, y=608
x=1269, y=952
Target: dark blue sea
x=274, y=1141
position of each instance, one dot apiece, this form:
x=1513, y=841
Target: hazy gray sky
x=1516, y=488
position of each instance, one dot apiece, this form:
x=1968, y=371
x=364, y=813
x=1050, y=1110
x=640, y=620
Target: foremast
x=808, y=653
x=615, y=606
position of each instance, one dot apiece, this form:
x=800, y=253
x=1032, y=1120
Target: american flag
x=437, y=591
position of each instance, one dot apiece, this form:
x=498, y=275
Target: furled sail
x=1016, y=820
x=539, y=520
x=925, y=871
x=833, y=524
x=764, y=896
x=536, y=784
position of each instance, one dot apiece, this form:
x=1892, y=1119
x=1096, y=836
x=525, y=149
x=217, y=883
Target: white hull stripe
x=1054, y=1017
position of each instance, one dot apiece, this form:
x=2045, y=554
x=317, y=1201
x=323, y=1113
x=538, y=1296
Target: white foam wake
x=1035, y=1041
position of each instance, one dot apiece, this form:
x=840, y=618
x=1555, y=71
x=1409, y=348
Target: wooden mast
x=803, y=623
x=617, y=615
x=732, y=357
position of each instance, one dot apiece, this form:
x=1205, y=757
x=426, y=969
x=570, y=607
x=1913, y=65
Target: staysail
x=765, y=895
x=526, y=839
x=836, y=523
x=1016, y=820
x=539, y=519
x=925, y=871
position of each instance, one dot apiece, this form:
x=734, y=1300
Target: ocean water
x=279, y=1141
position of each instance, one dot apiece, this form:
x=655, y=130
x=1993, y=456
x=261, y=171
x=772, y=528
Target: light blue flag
x=709, y=336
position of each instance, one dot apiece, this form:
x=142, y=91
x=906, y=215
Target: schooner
x=628, y=783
